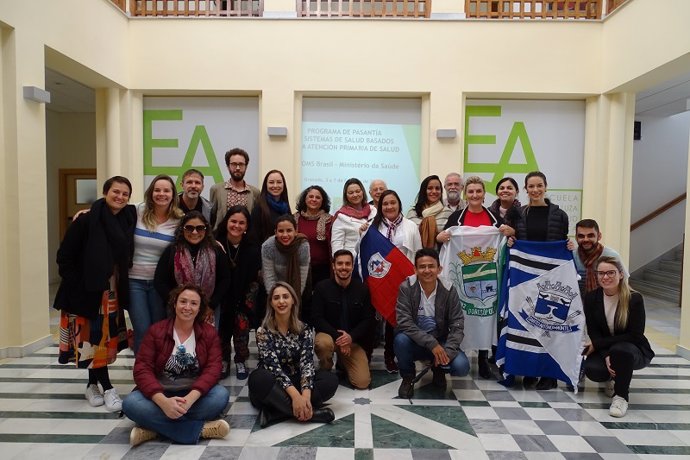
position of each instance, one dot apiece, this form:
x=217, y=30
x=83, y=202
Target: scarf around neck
x=391, y=226
x=281, y=207
x=202, y=273
x=289, y=251
x=428, y=228
x=588, y=261
x=323, y=219
x=355, y=213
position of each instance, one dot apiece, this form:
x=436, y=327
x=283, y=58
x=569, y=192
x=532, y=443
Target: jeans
x=184, y=430
x=145, y=308
x=408, y=351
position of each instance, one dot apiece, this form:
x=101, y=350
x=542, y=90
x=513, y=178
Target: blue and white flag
x=542, y=335
x=470, y=261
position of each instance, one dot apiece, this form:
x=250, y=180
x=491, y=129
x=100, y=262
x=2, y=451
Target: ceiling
x=666, y=99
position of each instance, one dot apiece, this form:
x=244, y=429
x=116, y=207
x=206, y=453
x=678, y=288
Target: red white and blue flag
x=383, y=267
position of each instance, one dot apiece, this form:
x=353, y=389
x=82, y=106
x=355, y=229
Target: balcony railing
x=533, y=9
x=194, y=7
x=364, y=8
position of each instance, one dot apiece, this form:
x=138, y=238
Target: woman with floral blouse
x=285, y=384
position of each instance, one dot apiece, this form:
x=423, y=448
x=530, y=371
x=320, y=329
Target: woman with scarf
x=353, y=218
x=285, y=257
x=239, y=306
x=476, y=215
x=94, y=258
x=272, y=203
x=428, y=212
x=314, y=222
x=403, y=233
x=194, y=258
x=507, y=206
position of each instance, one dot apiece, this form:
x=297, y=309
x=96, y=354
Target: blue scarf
x=281, y=207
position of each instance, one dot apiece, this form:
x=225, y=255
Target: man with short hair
x=343, y=317
x=453, y=185
x=376, y=188
x=235, y=191
x=588, y=251
x=430, y=325
x=190, y=196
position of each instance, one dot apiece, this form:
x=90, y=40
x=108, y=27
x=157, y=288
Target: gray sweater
x=274, y=264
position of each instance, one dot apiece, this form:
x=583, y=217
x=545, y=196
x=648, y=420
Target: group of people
x=244, y=260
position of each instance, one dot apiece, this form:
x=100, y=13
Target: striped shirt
x=149, y=245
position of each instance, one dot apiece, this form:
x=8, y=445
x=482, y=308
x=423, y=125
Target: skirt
x=94, y=343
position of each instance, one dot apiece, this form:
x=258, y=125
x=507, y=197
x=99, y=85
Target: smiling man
x=589, y=249
x=344, y=318
x=190, y=197
x=431, y=325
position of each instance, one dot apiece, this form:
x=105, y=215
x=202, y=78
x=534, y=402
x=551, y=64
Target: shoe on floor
x=241, y=371
x=439, y=378
x=484, y=369
x=93, y=395
x=391, y=365
x=323, y=415
x=546, y=383
x=224, y=370
x=529, y=382
x=112, y=400
x=609, y=389
x=619, y=407
x=406, y=390
x=216, y=429
x=140, y=435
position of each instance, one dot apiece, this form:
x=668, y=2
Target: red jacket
x=156, y=348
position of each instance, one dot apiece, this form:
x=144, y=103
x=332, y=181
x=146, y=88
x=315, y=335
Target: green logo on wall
x=199, y=138
x=504, y=167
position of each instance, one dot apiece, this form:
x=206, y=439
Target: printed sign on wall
x=195, y=132
x=513, y=137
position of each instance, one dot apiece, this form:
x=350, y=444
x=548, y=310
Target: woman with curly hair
x=314, y=222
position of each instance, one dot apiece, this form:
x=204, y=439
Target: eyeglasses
x=608, y=273
x=192, y=228
x=237, y=165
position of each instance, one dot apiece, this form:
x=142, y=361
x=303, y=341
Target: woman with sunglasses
x=195, y=258
x=615, y=323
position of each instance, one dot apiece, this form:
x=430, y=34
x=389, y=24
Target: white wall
x=659, y=174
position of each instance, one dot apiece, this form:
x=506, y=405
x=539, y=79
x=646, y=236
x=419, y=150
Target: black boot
x=323, y=415
x=275, y=407
x=483, y=364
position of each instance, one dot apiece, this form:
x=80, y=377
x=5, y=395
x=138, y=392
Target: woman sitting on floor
x=176, y=373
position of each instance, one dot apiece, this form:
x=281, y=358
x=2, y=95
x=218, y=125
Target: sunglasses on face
x=192, y=228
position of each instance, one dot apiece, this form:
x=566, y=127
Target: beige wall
x=441, y=62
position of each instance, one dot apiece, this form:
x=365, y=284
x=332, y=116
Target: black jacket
x=598, y=329
x=326, y=310
x=557, y=222
x=458, y=218
x=87, y=256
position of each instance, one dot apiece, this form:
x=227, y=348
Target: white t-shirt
x=149, y=245
x=610, y=306
x=426, y=312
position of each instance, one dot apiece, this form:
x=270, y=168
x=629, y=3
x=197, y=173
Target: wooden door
x=77, y=191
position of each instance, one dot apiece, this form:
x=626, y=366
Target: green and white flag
x=470, y=261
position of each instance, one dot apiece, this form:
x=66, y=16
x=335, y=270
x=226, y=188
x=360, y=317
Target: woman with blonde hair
x=615, y=323
x=285, y=383
x=157, y=219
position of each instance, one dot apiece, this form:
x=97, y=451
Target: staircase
x=661, y=278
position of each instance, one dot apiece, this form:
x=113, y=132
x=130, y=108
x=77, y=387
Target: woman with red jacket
x=176, y=372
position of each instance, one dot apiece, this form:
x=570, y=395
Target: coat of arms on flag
x=541, y=304
x=470, y=263
x=378, y=266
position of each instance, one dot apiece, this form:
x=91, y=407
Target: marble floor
x=43, y=413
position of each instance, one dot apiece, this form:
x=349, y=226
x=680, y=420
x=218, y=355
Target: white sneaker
x=112, y=400
x=93, y=395
x=619, y=407
x=609, y=390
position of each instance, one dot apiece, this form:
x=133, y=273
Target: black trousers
x=625, y=357
x=261, y=381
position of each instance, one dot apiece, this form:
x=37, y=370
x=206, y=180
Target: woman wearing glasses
x=176, y=372
x=195, y=258
x=615, y=323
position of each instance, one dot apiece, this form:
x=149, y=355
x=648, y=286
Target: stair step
x=666, y=292
x=673, y=266
x=663, y=277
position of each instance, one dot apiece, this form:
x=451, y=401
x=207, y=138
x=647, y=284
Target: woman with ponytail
x=615, y=323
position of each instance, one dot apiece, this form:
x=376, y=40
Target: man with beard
x=343, y=318
x=235, y=191
x=190, y=197
x=588, y=250
x=453, y=186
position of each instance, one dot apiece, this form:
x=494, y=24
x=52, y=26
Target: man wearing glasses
x=235, y=191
